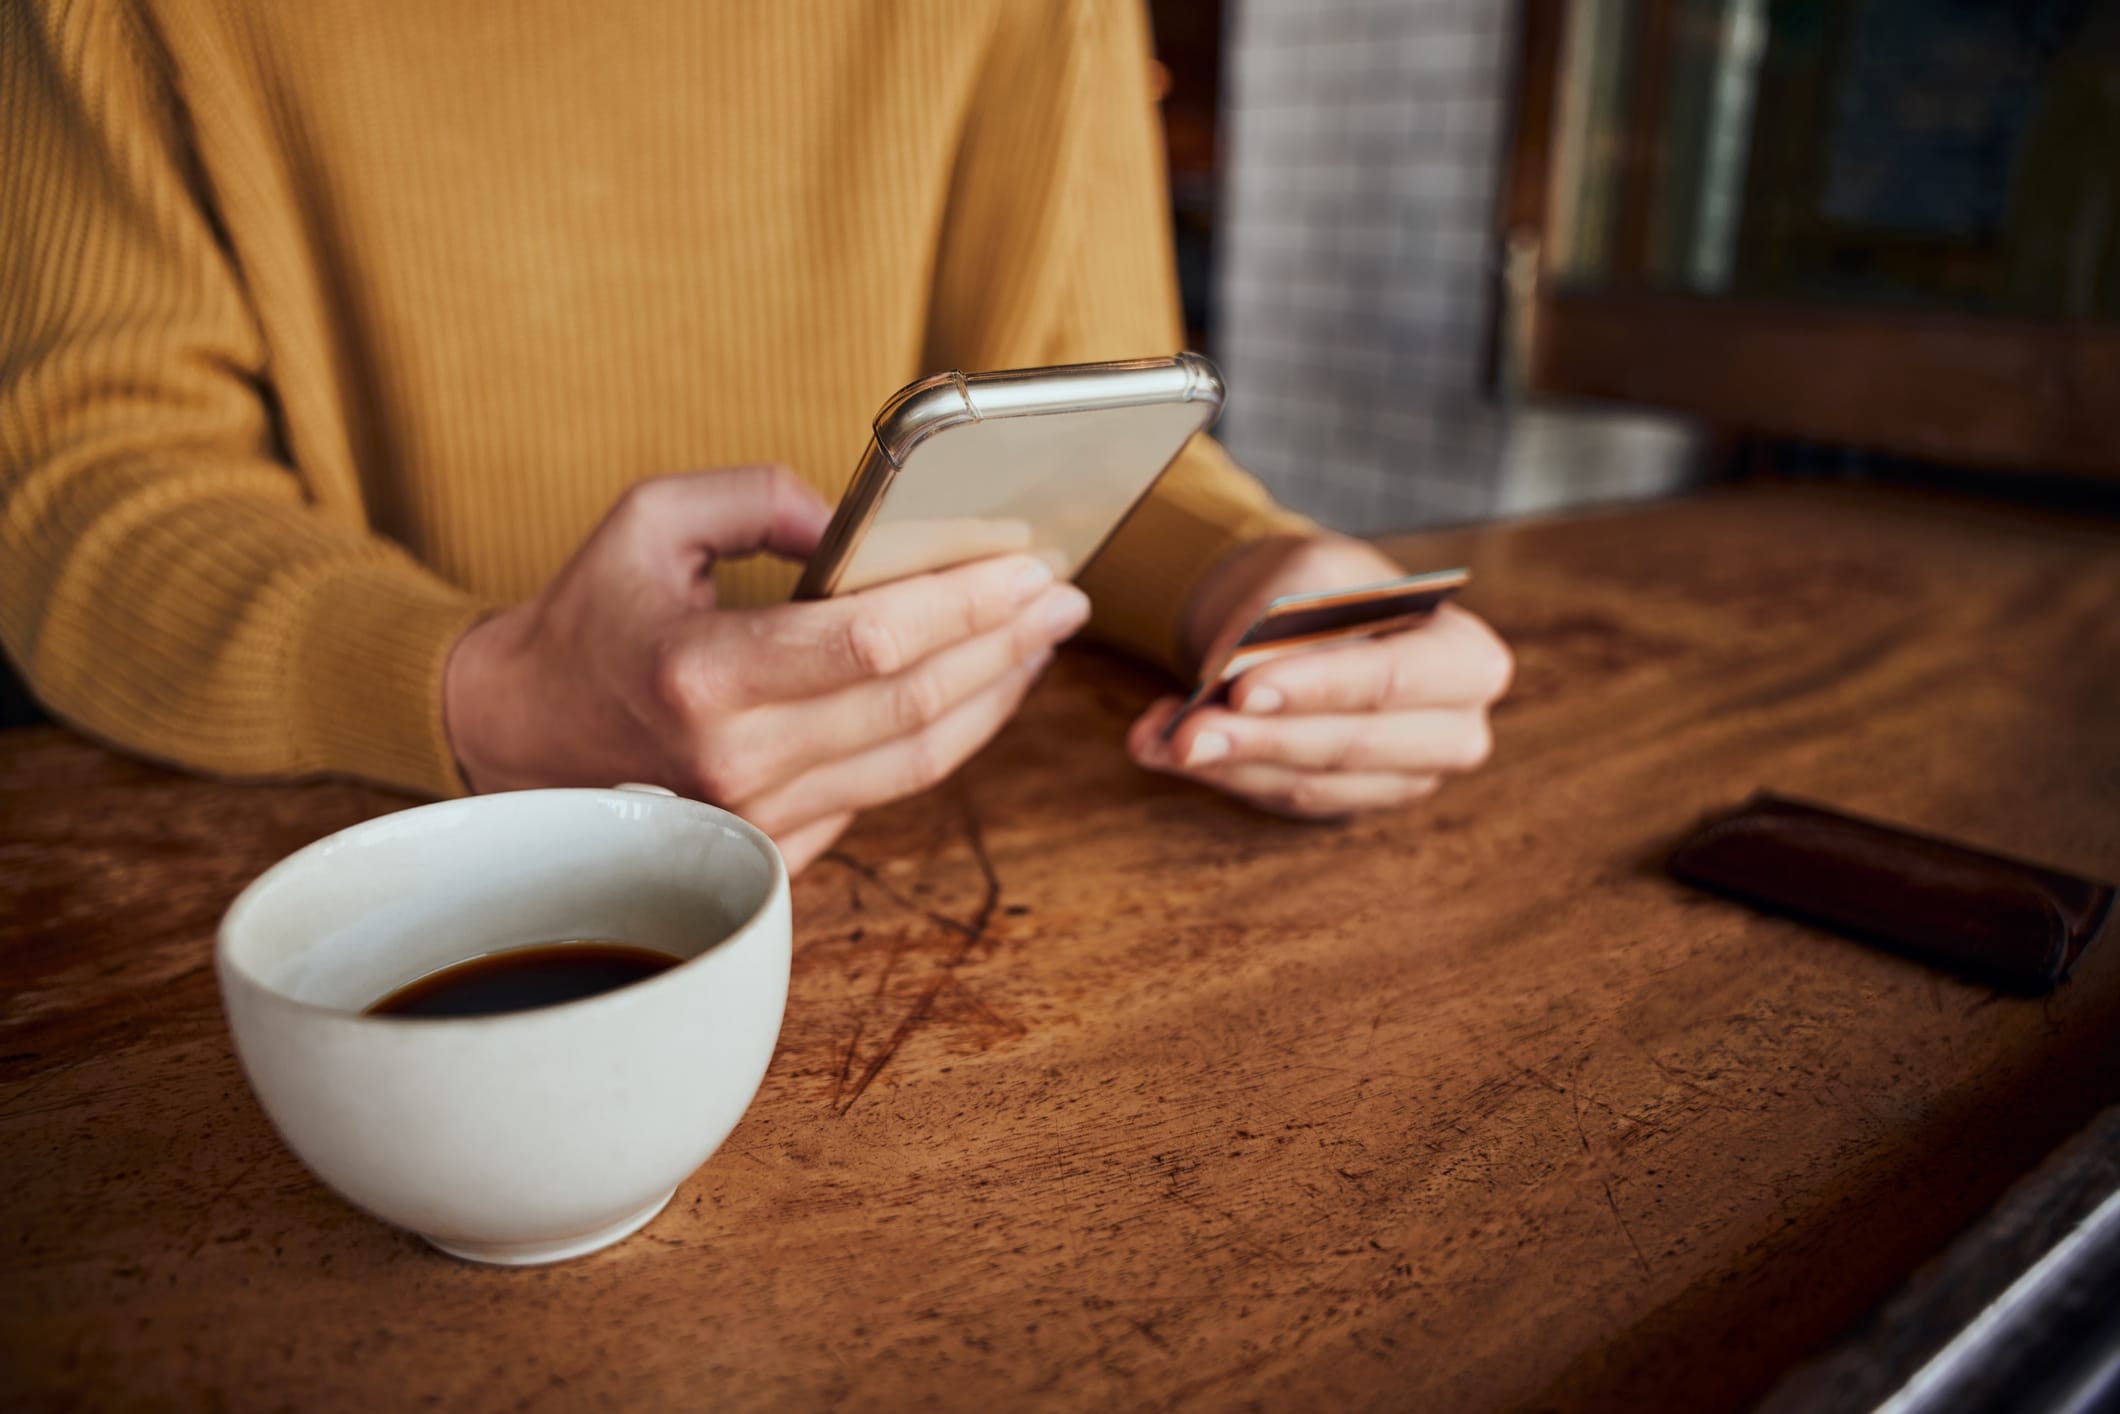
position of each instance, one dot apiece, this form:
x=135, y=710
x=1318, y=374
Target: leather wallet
x=2015, y=925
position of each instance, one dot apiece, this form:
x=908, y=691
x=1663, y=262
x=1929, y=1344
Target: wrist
x=1234, y=580
x=1259, y=571
x=481, y=708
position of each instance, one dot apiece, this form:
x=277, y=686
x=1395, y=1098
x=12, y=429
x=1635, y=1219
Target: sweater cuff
x=367, y=677
x=1140, y=586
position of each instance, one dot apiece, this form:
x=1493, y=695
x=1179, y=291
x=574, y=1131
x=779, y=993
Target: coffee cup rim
x=233, y=918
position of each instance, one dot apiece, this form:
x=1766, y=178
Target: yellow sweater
x=326, y=326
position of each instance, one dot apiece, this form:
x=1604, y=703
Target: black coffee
x=524, y=979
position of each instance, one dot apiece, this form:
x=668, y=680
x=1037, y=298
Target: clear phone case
x=1044, y=459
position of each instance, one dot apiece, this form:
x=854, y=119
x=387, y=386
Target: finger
x=800, y=847
x=1316, y=795
x=1144, y=739
x=730, y=511
x=1425, y=740
x=804, y=650
x=898, y=768
x=1452, y=660
x=767, y=746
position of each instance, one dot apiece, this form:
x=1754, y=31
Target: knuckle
x=917, y=698
x=774, y=817
x=1313, y=796
x=1474, y=744
x=970, y=611
x=1344, y=749
x=646, y=497
x=675, y=680
x=773, y=484
x=703, y=781
x=1499, y=670
x=1028, y=635
x=721, y=774
x=927, y=762
x=872, y=645
x=1392, y=685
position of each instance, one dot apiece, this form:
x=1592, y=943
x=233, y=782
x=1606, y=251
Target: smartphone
x=1047, y=460
x=1301, y=623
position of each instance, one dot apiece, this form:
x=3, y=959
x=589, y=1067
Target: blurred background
x=1466, y=258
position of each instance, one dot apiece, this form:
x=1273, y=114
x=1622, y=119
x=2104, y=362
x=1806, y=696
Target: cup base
x=531, y=1254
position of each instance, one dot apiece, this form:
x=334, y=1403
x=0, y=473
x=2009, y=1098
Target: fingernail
x=1030, y=579
x=1207, y=748
x=1065, y=612
x=1264, y=699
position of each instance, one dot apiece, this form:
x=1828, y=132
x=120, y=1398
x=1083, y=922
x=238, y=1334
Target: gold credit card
x=1300, y=623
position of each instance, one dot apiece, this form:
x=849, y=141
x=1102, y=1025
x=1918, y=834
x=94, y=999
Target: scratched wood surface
x=1098, y=1091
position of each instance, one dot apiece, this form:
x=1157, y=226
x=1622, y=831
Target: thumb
x=731, y=511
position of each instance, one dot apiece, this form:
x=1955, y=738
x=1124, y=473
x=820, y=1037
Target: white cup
x=531, y=1136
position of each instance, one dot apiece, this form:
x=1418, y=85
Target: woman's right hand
x=796, y=716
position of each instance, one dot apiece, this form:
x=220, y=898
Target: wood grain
x=1096, y=1090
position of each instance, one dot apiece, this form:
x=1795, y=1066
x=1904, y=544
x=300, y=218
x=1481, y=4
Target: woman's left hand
x=1368, y=725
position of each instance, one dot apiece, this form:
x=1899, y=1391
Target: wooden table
x=1097, y=1091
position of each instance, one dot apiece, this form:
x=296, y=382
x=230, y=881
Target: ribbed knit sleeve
x=168, y=580
x=1057, y=248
